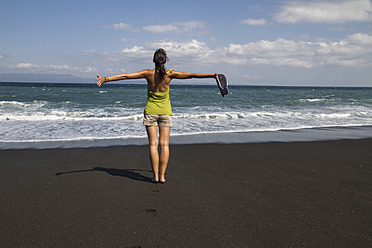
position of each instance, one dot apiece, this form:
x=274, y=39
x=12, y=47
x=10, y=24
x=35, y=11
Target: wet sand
x=298, y=194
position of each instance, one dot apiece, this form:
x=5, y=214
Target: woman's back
x=156, y=83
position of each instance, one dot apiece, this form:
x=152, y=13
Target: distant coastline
x=42, y=78
x=49, y=84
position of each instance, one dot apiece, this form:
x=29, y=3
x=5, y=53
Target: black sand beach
x=299, y=194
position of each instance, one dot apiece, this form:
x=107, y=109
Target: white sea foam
x=333, y=115
x=286, y=135
x=62, y=115
x=313, y=100
x=11, y=102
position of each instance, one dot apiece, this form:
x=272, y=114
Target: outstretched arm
x=134, y=75
x=187, y=75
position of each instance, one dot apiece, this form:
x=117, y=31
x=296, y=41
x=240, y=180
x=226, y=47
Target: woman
x=158, y=112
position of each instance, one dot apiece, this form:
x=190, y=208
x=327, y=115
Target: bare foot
x=162, y=180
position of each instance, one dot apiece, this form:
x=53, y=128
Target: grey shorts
x=158, y=120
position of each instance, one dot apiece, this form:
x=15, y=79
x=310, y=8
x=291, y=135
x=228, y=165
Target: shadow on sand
x=128, y=173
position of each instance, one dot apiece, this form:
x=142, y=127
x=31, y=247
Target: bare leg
x=152, y=133
x=164, y=133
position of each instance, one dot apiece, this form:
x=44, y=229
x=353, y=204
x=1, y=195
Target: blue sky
x=313, y=43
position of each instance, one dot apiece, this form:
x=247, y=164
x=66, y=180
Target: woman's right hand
x=100, y=81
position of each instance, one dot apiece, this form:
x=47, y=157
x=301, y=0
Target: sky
x=263, y=42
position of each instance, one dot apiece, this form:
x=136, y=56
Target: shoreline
x=284, y=194
x=286, y=135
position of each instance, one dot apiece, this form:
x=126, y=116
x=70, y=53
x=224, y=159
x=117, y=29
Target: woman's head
x=160, y=58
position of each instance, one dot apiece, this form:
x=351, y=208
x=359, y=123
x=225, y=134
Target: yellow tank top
x=158, y=103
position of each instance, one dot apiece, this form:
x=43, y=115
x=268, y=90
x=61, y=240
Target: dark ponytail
x=160, y=58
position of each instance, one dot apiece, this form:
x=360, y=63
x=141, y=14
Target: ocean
x=83, y=115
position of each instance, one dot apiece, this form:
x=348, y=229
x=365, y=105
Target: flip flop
x=222, y=84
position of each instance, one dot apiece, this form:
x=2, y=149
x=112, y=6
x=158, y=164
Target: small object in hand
x=222, y=84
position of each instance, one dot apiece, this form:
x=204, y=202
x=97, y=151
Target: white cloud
x=113, y=71
x=193, y=27
x=337, y=28
x=125, y=40
x=213, y=39
x=177, y=27
x=185, y=47
x=354, y=50
x=24, y=66
x=259, y=22
x=252, y=77
x=162, y=28
x=88, y=52
x=88, y=69
x=136, y=51
x=180, y=53
x=29, y=67
x=278, y=52
x=124, y=26
x=192, y=52
x=325, y=11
